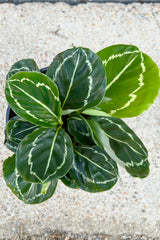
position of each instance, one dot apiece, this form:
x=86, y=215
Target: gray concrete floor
x=40, y=31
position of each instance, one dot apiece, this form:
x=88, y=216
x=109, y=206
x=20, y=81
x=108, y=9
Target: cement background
x=73, y=2
x=40, y=31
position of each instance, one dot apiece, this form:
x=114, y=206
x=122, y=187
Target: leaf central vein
x=37, y=101
x=72, y=80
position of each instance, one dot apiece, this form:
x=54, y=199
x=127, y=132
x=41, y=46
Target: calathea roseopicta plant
x=67, y=122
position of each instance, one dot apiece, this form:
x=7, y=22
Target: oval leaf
x=121, y=143
x=25, y=65
x=44, y=155
x=12, y=146
x=18, y=128
x=69, y=181
x=135, y=164
x=80, y=76
x=79, y=128
x=133, y=82
x=29, y=193
x=34, y=97
x=93, y=169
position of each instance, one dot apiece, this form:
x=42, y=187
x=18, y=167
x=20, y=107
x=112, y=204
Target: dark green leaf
x=29, y=193
x=133, y=82
x=79, y=128
x=18, y=128
x=121, y=143
x=93, y=169
x=24, y=65
x=44, y=155
x=80, y=76
x=34, y=97
x=12, y=146
x=69, y=181
x=135, y=164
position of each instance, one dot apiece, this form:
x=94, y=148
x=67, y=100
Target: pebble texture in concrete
x=73, y=2
x=40, y=31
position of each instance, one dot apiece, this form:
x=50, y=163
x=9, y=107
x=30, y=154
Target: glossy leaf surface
x=34, y=97
x=12, y=146
x=79, y=128
x=93, y=169
x=132, y=82
x=29, y=193
x=44, y=155
x=24, y=65
x=18, y=128
x=121, y=143
x=69, y=181
x=80, y=76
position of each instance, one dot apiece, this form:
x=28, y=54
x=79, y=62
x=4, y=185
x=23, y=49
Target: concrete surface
x=73, y=2
x=40, y=31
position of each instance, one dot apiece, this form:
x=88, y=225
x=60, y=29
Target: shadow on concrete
x=74, y=2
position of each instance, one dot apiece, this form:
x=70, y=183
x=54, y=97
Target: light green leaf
x=34, y=97
x=44, y=155
x=80, y=129
x=133, y=82
x=93, y=169
x=30, y=193
x=45, y=187
x=121, y=143
x=80, y=76
x=25, y=65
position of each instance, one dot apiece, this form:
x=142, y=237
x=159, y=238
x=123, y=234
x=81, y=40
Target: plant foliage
x=67, y=124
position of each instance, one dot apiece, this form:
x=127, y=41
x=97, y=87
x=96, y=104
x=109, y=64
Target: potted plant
x=65, y=122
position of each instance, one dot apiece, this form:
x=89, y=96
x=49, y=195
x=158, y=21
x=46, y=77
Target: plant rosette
x=67, y=125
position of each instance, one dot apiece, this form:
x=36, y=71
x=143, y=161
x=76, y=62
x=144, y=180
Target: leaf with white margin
x=80, y=76
x=12, y=146
x=35, y=98
x=93, y=169
x=25, y=65
x=121, y=143
x=44, y=155
x=79, y=128
x=69, y=181
x=29, y=193
x=133, y=82
x=17, y=128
